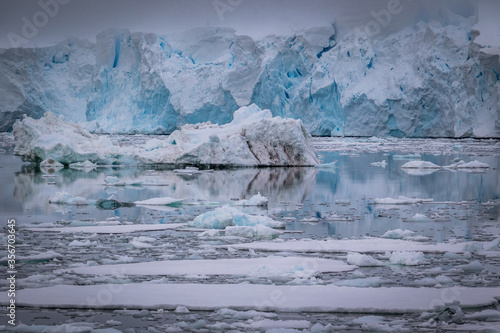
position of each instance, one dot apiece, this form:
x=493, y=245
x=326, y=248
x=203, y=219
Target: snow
x=111, y=229
x=254, y=137
x=262, y=267
x=319, y=298
x=164, y=201
x=225, y=216
x=256, y=200
x=402, y=200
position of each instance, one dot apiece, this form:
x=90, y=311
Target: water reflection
x=333, y=202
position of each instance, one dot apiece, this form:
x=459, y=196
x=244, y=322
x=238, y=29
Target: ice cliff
x=431, y=79
x=254, y=137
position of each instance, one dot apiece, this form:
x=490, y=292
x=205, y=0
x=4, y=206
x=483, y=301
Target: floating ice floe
x=225, y=216
x=111, y=229
x=332, y=165
x=45, y=256
x=366, y=245
x=401, y=200
x=382, y=164
x=268, y=266
x=317, y=298
x=256, y=200
x=164, y=201
x=420, y=165
x=64, y=198
x=407, y=258
x=469, y=165
x=430, y=167
x=398, y=234
x=50, y=163
x=85, y=165
x=362, y=260
x=255, y=232
x=254, y=137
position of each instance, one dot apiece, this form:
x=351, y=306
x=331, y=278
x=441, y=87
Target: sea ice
x=268, y=266
x=256, y=200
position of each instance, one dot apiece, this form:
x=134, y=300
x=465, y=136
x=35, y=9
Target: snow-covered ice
x=319, y=298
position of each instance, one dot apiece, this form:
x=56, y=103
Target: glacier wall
x=431, y=79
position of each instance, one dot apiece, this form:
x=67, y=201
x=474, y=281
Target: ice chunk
x=225, y=216
x=472, y=267
x=50, y=163
x=398, y=234
x=255, y=232
x=420, y=165
x=256, y=200
x=86, y=165
x=111, y=180
x=65, y=198
x=407, y=258
x=361, y=260
x=164, y=201
x=382, y=164
x=469, y=165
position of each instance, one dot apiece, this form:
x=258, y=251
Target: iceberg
x=227, y=216
x=254, y=137
x=431, y=78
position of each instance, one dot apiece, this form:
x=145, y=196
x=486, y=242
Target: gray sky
x=257, y=18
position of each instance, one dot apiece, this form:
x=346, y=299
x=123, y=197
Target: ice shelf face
x=254, y=137
x=432, y=79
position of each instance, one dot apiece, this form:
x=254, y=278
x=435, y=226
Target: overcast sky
x=257, y=18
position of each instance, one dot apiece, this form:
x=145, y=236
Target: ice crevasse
x=253, y=137
x=434, y=78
